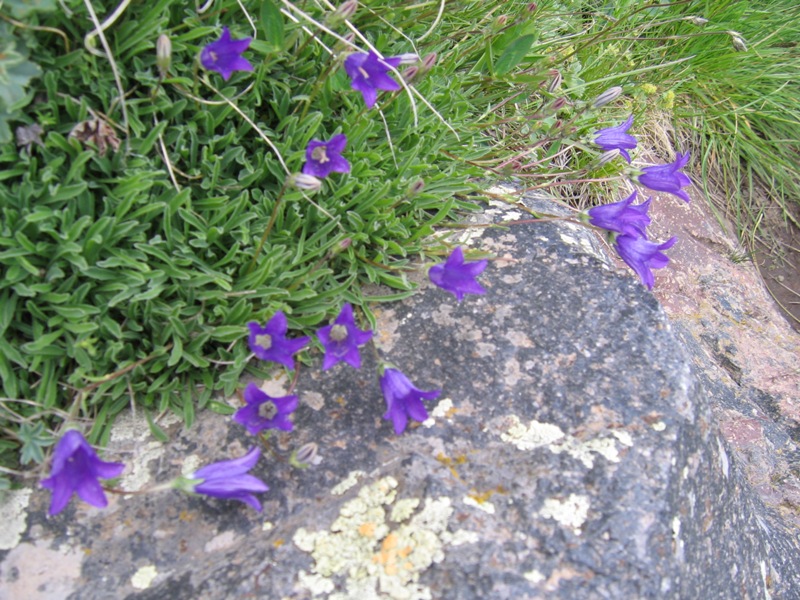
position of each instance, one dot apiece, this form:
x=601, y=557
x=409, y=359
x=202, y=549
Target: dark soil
x=777, y=257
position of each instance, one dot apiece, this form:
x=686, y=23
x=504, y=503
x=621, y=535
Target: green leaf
x=157, y=432
x=513, y=54
x=272, y=24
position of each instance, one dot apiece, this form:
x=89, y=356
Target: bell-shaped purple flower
x=262, y=411
x=667, y=178
x=76, y=468
x=622, y=217
x=342, y=339
x=642, y=255
x=403, y=400
x=457, y=276
x=369, y=73
x=229, y=479
x=615, y=138
x=225, y=55
x=270, y=342
x=324, y=158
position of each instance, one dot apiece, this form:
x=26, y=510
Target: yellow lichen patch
x=186, y=516
x=451, y=463
x=367, y=529
x=279, y=542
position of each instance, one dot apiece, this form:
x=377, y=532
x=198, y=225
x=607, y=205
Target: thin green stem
x=267, y=231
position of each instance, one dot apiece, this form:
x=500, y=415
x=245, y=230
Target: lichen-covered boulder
x=571, y=454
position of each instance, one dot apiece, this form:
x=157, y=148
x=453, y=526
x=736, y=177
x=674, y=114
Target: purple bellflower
x=228, y=479
x=342, y=339
x=225, y=55
x=324, y=158
x=369, y=73
x=622, y=217
x=457, y=276
x=270, y=342
x=642, y=255
x=262, y=411
x=615, y=138
x=76, y=468
x=403, y=400
x=667, y=178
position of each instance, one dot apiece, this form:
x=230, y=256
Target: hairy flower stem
x=270, y=225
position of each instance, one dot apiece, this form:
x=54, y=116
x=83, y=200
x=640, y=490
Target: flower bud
x=556, y=81
x=301, y=181
x=163, y=54
x=607, y=156
x=305, y=455
x=609, y=95
x=409, y=58
x=558, y=104
x=531, y=8
x=429, y=61
x=738, y=41
x=501, y=21
x=416, y=187
x=346, y=10
x=699, y=21
x=410, y=73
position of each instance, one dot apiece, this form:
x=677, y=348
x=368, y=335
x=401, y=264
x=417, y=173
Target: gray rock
x=572, y=454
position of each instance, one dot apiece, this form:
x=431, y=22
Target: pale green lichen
x=531, y=436
x=570, y=512
x=143, y=578
x=546, y=435
x=13, y=516
x=348, y=482
x=533, y=576
x=375, y=560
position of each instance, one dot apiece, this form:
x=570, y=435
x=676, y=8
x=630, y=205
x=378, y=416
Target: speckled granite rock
x=571, y=455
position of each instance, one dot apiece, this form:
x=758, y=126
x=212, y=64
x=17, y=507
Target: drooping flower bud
x=429, y=61
x=409, y=58
x=301, y=181
x=609, y=95
x=410, y=73
x=163, y=54
x=346, y=10
x=738, y=41
x=555, y=83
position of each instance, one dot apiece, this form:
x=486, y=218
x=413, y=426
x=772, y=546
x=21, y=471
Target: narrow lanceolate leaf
x=272, y=24
x=513, y=54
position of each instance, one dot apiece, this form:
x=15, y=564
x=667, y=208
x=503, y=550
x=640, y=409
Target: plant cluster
x=203, y=170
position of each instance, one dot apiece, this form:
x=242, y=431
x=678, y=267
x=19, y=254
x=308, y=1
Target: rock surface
x=573, y=453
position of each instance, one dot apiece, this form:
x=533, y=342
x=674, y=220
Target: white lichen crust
x=375, y=558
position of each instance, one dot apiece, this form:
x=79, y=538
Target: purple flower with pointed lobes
x=403, y=400
x=342, y=339
x=642, y=255
x=615, y=138
x=229, y=479
x=667, y=178
x=262, y=411
x=622, y=217
x=77, y=468
x=369, y=73
x=225, y=55
x=270, y=342
x=324, y=158
x=457, y=276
